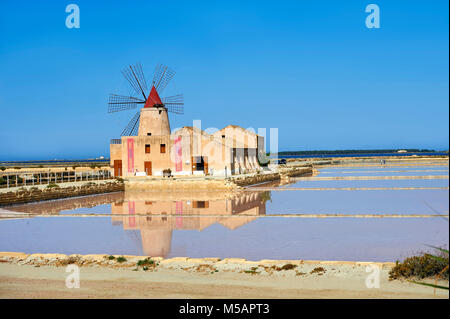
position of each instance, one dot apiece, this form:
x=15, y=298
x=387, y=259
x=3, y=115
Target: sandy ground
x=340, y=281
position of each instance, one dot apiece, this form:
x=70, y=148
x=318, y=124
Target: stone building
x=187, y=151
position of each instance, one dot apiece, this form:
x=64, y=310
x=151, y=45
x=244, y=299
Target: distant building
x=402, y=151
x=187, y=151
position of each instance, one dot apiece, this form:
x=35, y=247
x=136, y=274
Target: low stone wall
x=178, y=184
x=55, y=207
x=297, y=171
x=255, y=179
x=283, y=174
x=35, y=194
x=208, y=265
x=230, y=184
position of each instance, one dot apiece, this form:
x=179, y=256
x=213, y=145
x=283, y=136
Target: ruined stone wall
x=36, y=195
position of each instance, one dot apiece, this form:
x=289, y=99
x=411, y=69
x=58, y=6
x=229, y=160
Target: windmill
x=135, y=76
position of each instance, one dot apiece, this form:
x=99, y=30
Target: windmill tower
x=152, y=118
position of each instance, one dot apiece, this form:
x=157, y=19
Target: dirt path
x=26, y=281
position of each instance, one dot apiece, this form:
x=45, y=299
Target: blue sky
x=309, y=68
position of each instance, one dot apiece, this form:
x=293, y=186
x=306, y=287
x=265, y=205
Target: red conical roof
x=153, y=98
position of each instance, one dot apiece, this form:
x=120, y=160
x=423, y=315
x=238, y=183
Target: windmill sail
x=119, y=103
x=140, y=75
x=131, y=75
x=177, y=109
x=135, y=77
x=133, y=126
x=174, y=104
x=162, y=77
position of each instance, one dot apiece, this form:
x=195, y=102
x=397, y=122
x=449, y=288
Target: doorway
x=148, y=168
x=117, y=167
x=200, y=163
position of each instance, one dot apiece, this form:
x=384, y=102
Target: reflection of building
x=156, y=215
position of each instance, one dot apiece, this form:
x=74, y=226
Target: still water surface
x=279, y=223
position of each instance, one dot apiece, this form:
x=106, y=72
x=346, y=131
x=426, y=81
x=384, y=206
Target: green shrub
x=52, y=185
x=121, y=259
x=423, y=266
x=2, y=168
x=145, y=262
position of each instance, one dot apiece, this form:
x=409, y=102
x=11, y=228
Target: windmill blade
x=130, y=74
x=176, y=108
x=179, y=98
x=174, y=103
x=133, y=126
x=162, y=77
x=119, y=103
x=140, y=75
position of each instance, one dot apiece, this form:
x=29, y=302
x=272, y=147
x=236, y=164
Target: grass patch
x=52, y=185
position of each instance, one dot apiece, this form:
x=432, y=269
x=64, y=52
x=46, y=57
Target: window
x=147, y=148
x=200, y=204
x=149, y=134
x=148, y=202
x=223, y=136
x=163, y=148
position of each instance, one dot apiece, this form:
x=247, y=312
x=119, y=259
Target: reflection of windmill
x=135, y=76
